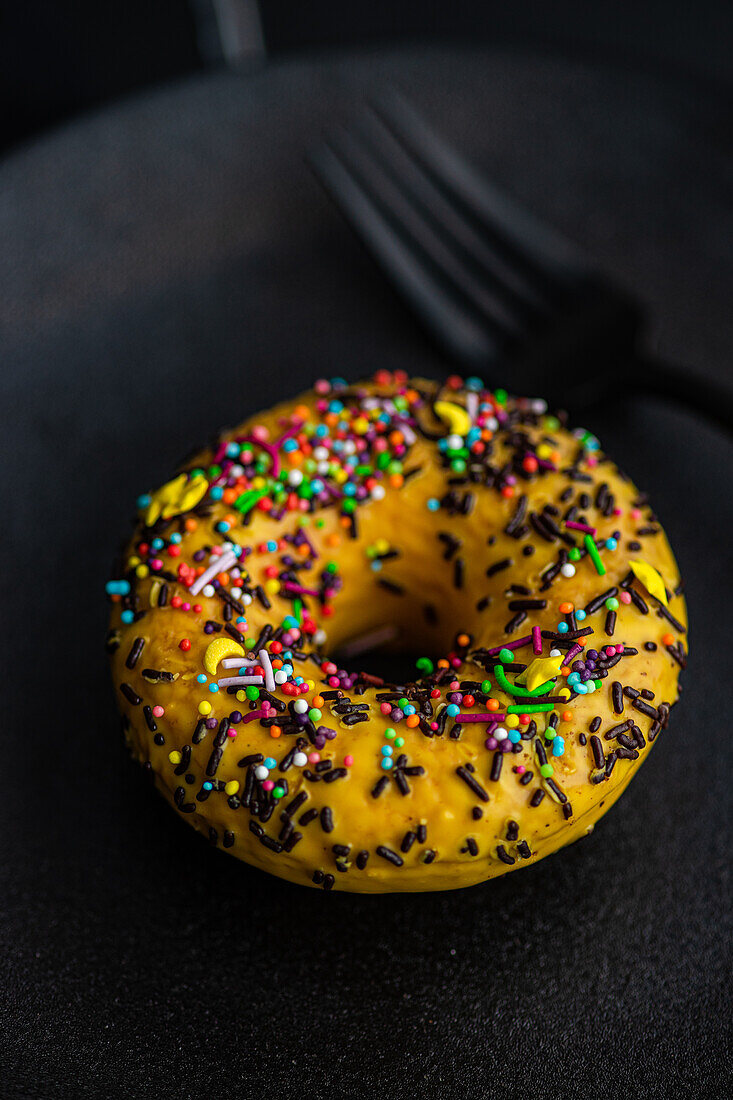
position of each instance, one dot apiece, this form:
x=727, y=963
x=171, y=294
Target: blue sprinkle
x=558, y=746
x=201, y=678
x=452, y=710
x=175, y=537
x=386, y=763
x=208, y=786
x=127, y=616
x=433, y=505
x=580, y=615
x=611, y=544
x=270, y=762
x=214, y=688
x=562, y=628
x=217, y=492
x=387, y=750
x=144, y=500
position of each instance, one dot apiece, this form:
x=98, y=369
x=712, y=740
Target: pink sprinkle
x=186, y=606
x=580, y=526
x=625, y=597
x=158, y=712
x=314, y=757
x=384, y=707
x=592, y=461
x=520, y=769
x=510, y=645
x=252, y=715
x=268, y=785
x=156, y=563
x=348, y=761
x=433, y=725
x=636, y=513
x=618, y=512
x=495, y=718
x=536, y=641
x=232, y=734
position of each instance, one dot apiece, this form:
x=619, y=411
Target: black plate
x=168, y=267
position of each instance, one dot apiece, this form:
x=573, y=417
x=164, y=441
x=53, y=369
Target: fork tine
x=401, y=210
x=452, y=323
x=449, y=219
x=528, y=238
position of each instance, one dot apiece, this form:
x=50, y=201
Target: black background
x=169, y=266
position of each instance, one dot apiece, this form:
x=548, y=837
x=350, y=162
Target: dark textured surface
x=171, y=266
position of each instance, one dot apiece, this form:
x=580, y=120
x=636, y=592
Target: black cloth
x=169, y=266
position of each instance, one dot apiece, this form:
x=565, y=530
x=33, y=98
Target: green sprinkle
x=595, y=557
x=252, y=692
x=390, y=734
x=315, y=714
x=399, y=742
x=424, y=664
x=546, y=770
x=278, y=792
x=246, y=502
x=506, y=656
x=533, y=708
x=513, y=689
x=612, y=603
x=574, y=554
x=486, y=686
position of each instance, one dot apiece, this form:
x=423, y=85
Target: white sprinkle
x=237, y=681
x=300, y=760
x=261, y=772
x=281, y=677
x=300, y=706
x=266, y=663
x=378, y=492
x=568, y=569
x=221, y=564
x=237, y=662
x=500, y=734
x=208, y=590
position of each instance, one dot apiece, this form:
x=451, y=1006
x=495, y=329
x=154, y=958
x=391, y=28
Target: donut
x=503, y=558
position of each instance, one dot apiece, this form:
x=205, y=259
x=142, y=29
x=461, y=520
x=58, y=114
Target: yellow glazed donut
x=439, y=519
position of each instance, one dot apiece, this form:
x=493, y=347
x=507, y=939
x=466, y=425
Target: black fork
x=501, y=292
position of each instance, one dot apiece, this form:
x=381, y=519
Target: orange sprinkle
x=301, y=412
x=333, y=540
x=396, y=481
x=668, y=639
x=412, y=720
x=275, y=732
x=442, y=663
x=493, y=704
x=463, y=640
x=318, y=700
x=567, y=716
x=566, y=608
x=191, y=524
x=229, y=496
x=508, y=491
